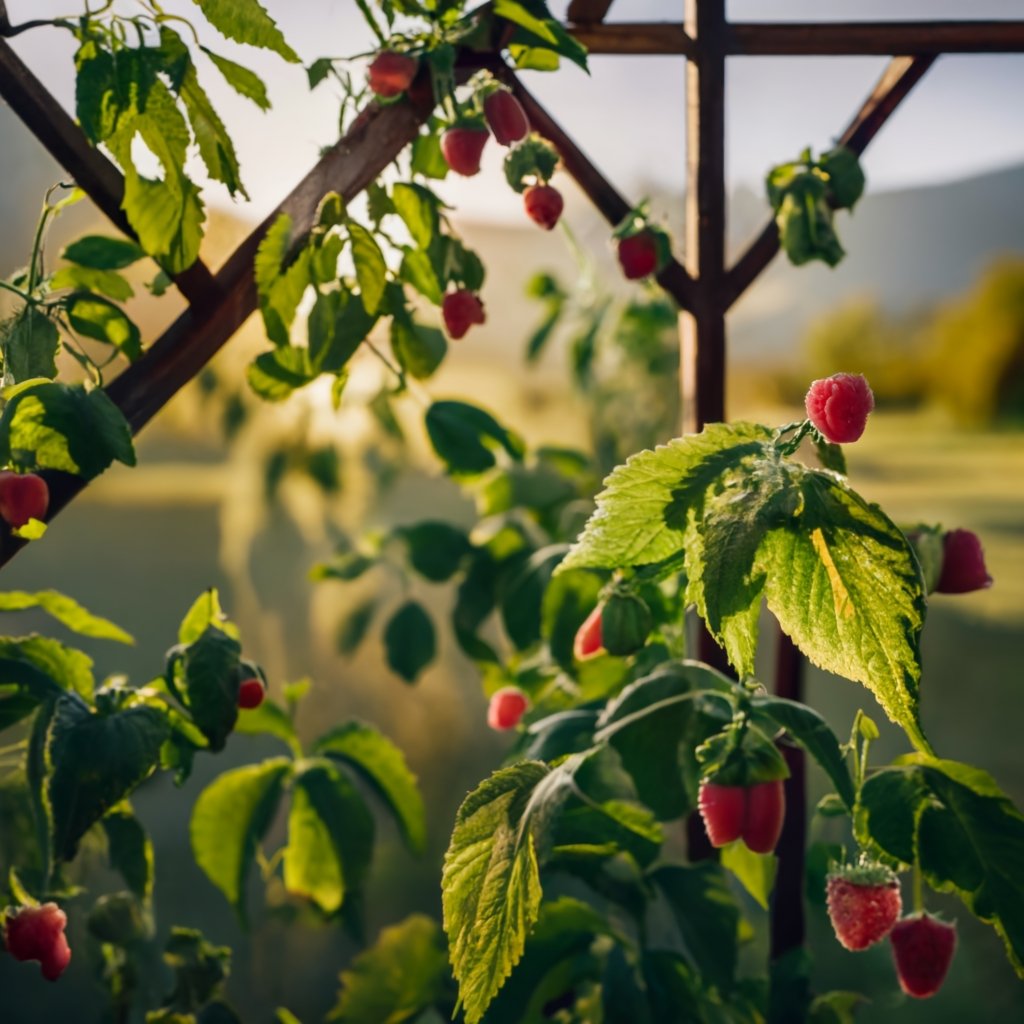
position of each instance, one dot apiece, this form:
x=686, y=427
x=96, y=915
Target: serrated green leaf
x=130, y=850
x=102, y=252
x=66, y=611
x=403, y=973
x=102, y=320
x=30, y=344
x=229, y=818
x=210, y=684
x=245, y=82
x=216, y=149
x=44, y=667
x=371, y=270
x=410, y=641
x=382, y=764
x=246, y=21
x=491, y=885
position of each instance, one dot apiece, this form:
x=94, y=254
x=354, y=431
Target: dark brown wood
x=702, y=323
x=376, y=137
x=91, y=170
x=787, y=904
x=587, y=11
x=902, y=74
x=634, y=38
x=885, y=38
x=610, y=203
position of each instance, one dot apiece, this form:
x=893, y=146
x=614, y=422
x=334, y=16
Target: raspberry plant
x=573, y=605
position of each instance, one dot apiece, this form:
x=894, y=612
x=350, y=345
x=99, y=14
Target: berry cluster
x=37, y=933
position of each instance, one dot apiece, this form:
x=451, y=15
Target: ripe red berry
x=506, y=708
x=462, y=148
x=963, y=564
x=250, y=693
x=839, y=405
x=390, y=73
x=588, y=640
x=766, y=811
x=544, y=205
x=638, y=255
x=37, y=933
x=723, y=809
x=863, y=905
x=460, y=310
x=506, y=117
x=923, y=948
x=23, y=496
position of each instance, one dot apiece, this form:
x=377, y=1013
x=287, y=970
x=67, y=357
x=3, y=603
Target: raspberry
x=754, y=813
x=250, y=693
x=37, y=933
x=390, y=73
x=544, y=205
x=506, y=708
x=462, y=148
x=838, y=406
x=23, y=496
x=588, y=641
x=923, y=948
x=863, y=904
x=638, y=255
x=506, y=117
x=460, y=310
x=963, y=564
x=722, y=809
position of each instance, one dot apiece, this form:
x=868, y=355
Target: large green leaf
x=403, y=973
x=330, y=836
x=246, y=21
x=491, y=884
x=230, y=817
x=969, y=837
x=66, y=611
x=60, y=426
x=381, y=763
x=93, y=762
x=30, y=343
x=57, y=667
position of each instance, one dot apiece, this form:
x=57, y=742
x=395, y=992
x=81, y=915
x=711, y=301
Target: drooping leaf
x=382, y=764
x=229, y=819
x=130, y=850
x=102, y=320
x=410, y=641
x=277, y=374
x=89, y=279
x=371, y=270
x=210, y=684
x=66, y=611
x=246, y=21
x=30, y=344
x=216, y=149
x=418, y=349
x=463, y=436
x=245, y=82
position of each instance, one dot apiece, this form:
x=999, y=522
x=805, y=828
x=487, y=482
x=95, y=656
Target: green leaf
x=30, y=344
x=216, y=149
x=275, y=375
x=522, y=595
x=246, y=21
x=100, y=319
x=970, y=837
x=460, y=433
x=403, y=973
x=93, y=762
x=382, y=764
x=269, y=719
x=245, y=82
x=427, y=158
x=167, y=216
x=417, y=270
x=205, y=611
x=229, y=819
x=530, y=161
x=490, y=887
x=353, y=627
x=545, y=30
x=346, y=565
x=130, y=850
x=568, y=600
x=845, y=176
x=44, y=667
x=418, y=207
x=88, y=279
x=330, y=836
x=806, y=222
x=755, y=871
x=436, y=549
x=210, y=679
x=371, y=270
x=200, y=969
x=409, y=640
x=66, y=611
x=103, y=252
x=812, y=732
x=418, y=349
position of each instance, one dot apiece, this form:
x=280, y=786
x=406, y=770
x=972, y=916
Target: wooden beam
x=588, y=11
x=634, y=38
x=92, y=171
x=902, y=74
x=610, y=203
x=375, y=139
x=884, y=38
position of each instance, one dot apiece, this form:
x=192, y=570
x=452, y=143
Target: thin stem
x=24, y=296
x=387, y=362
x=918, y=887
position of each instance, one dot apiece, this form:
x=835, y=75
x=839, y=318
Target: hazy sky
x=966, y=116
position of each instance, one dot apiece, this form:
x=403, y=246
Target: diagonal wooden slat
x=609, y=202
x=92, y=171
x=902, y=74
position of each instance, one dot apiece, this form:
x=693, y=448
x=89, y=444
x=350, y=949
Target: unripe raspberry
x=507, y=707
x=963, y=564
x=839, y=405
x=589, y=640
x=37, y=933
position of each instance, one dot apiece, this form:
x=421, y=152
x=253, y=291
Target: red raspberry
x=460, y=310
x=863, y=904
x=37, y=933
x=506, y=117
x=250, y=693
x=506, y=708
x=923, y=948
x=963, y=564
x=588, y=641
x=390, y=73
x=638, y=255
x=722, y=808
x=752, y=813
x=462, y=149
x=544, y=205
x=839, y=405
x=23, y=496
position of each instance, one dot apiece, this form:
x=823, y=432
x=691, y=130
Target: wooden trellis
x=702, y=284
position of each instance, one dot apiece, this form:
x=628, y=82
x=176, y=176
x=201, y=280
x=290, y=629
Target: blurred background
x=929, y=304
